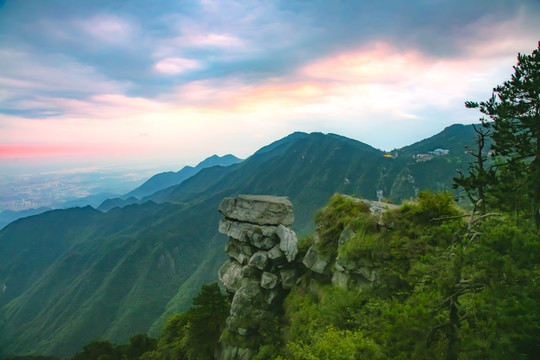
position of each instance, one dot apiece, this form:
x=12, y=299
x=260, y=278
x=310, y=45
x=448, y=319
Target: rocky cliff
x=261, y=267
x=342, y=270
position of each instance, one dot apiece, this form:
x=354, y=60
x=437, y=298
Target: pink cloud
x=176, y=65
x=209, y=39
x=377, y=63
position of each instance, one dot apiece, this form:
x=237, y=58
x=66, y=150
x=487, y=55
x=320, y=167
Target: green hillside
x=78, y=274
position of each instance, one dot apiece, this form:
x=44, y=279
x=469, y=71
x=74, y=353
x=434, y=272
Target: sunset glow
x=190, y=82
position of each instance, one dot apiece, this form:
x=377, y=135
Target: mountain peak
x=214, y=160
x=166, y=179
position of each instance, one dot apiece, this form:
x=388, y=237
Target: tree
x=99, y=350
x=194, y=334
x=207, y=319
x=514, y=109
x=476, y=182
x=139, y=344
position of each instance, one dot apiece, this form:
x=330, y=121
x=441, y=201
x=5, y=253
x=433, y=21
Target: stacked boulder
x=260, y=269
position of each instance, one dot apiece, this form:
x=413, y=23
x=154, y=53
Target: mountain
x=92, y=200
x=117, y=202
x=80, y=274
x=165, y=179
x=8, y=216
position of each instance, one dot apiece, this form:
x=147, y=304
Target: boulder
x=314, y=261
x=276, y=256
x=288, y=242
x=244, y=298
x=259, y=260
x=271, y=296
x=367, y=273
x=340, y=279
x=346, y=235
x=236, y=353
x=230, y=274
x=269, y=280
x=251, y=272
x=343, y=264
x=258, y=209
x=260, y=236
x=236, y=253
x=264, y=242
x=288, y=278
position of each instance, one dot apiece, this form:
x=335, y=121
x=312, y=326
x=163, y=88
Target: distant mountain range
x=79, y=274
x=164, y=180
x=106, y=201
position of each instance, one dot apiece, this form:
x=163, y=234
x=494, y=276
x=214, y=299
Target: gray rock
x=271, y=296
x=235, y=252
x=245, y=248
x=260, y=248
x=251, y=272
x=269, y=280
x=233, y=229
x=262, y=237
x=346, y=235
x=232, y=323
x=288, y=242
x=264, y=242
x=339, y=266
x=276, y=255
x=340, y=279
x=259, y=260
x=288, y=278
x=230, y=274
x=367, y=273
x=314, y=261
x=236, y=353
x=343, y=264
x=244, y=298
x=258, y=209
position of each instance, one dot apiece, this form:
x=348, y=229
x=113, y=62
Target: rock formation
x=261, y=266
x=346, y=273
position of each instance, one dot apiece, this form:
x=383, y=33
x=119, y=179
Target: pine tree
x=476, y=182
x=514, y=109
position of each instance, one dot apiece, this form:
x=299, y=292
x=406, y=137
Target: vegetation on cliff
x=447, y=285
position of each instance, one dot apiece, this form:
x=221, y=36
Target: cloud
x=103, y=73
x=208, y=40
x=175, y=66
x=107, y=29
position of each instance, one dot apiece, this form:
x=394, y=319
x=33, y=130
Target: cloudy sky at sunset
x=172, y=82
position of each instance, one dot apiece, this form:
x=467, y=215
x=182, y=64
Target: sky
x=169, y=83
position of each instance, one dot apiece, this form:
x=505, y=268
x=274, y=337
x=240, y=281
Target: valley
x=125, y=271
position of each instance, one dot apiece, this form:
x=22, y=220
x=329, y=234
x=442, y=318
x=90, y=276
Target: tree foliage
x=513, y=112
x=192, y=335
x=450, y=286
x=477, y=181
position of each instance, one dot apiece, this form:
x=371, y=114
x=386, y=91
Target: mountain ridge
x=165, y=179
